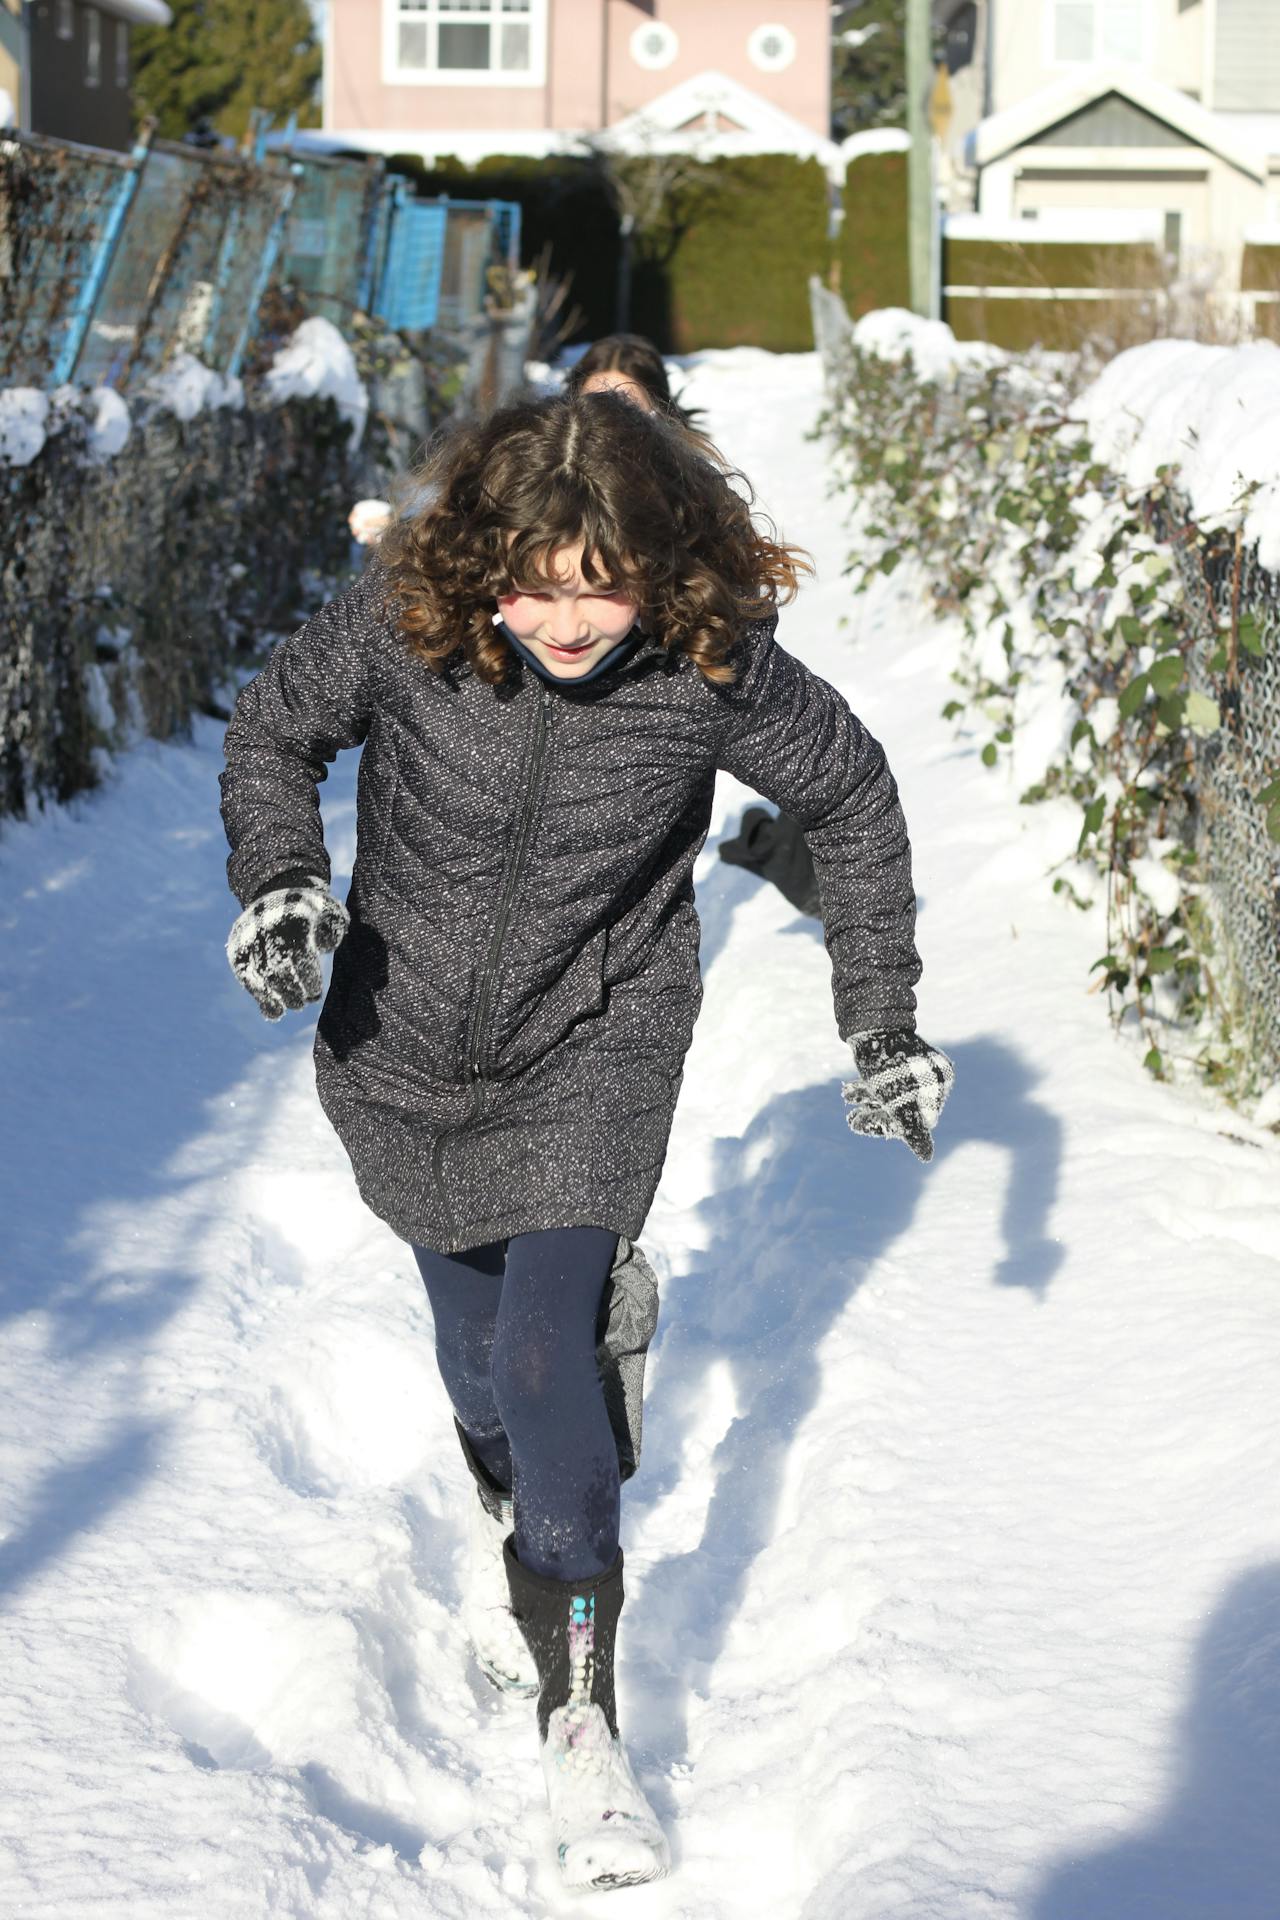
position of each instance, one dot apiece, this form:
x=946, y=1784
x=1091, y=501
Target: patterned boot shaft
x=606, y=1834
x=571, y=1628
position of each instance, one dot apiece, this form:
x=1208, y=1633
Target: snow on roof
x=1020, y=125
x=759, y=126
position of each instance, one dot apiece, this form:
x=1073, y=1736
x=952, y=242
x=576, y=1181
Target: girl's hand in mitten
x=276, y=945
x=901, y=1087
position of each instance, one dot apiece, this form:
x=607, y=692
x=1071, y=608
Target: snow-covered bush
x=1119, y=641
x=146, y=550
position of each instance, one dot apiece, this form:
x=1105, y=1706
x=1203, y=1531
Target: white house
x=1164, y=110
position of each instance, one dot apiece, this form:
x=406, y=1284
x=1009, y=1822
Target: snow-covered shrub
x=143, y=556
x=1119, y=648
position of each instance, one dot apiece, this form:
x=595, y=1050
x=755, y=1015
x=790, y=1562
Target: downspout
x=24, y=67
x=989, y=61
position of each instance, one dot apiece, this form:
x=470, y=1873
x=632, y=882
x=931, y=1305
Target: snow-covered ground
x=954, y=1558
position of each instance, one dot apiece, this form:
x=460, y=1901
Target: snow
x=184, y=386
x=24, y=417
x=318, y=361
x=953, y=1561
x=1214, y=412
x=891, y=333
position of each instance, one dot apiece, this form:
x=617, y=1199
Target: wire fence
x=1219, y=806
x=1232, y=768
x=111, y=264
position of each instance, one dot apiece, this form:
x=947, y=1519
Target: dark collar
x=636, y=643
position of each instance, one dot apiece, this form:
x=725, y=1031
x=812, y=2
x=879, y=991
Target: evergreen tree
x=220, y=58
x=869, y=65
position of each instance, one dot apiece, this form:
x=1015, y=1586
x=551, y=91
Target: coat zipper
x=484, y=992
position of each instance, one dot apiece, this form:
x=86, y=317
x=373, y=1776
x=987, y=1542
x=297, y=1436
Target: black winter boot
x=605, y=1831
x=501, y=1651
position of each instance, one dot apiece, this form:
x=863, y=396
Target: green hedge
x=728, y=265
x=1049, y=263
x=873, y=261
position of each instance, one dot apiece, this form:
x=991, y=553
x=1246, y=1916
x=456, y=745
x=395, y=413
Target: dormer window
x=1099, y=32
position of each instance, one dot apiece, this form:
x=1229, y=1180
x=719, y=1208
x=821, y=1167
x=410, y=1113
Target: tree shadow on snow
x=1213, y=1853
x=798, y=1213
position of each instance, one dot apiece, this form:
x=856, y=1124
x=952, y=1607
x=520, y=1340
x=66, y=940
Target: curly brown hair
x=658, y=523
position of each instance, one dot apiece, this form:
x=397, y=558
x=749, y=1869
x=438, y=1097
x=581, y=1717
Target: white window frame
x=92, y=47
x=1096, y=59
x=394, y=75
x=670, y=51
x=755, y=45
x=65, y=20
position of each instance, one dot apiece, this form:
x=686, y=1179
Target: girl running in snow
x=545, y=667
x=770, y=845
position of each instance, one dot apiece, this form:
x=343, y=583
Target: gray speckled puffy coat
x=503, y=1038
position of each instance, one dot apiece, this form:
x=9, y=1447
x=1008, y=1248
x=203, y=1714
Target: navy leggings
x=515, y=1326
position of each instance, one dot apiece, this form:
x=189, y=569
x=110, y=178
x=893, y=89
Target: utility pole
x=920, y=211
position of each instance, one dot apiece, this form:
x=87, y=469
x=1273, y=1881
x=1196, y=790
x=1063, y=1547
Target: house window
x=1102, y=31
x=654, y=45
x=64, y=22
x=122, y=53
x=92, y=47
x=465, y=40
x=962, y=37
x=771, y=48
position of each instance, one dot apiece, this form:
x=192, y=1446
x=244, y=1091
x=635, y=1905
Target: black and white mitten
x=900, y=1090
x=275, y=947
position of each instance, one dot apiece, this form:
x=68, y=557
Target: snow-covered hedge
x=148, y=546
x=1106, y=555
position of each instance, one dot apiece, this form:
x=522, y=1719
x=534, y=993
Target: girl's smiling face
x=570, y=626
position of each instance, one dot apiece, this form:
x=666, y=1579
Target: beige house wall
x=1216, y=201
x=1174, y=50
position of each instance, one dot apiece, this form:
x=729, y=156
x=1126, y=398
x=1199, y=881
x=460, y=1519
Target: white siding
x=1247, y=57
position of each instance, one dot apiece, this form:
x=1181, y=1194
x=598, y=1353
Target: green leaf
x=1161, y=959
x=1009, y=509
x=952, y=708
x=1153, y=1061
x=1250, y=635
x=1094, y=815
x=1080, y=731
x=888, y=561
x=1108, y=961
x=1171, y=711
x=1204, y=714
x=1218, y=660
x=1166, y=674
x=989, y=754
x=1273, y=820
x=1005, y=736
x=1133, y=696
x=1131, y=629
x=1270, y=792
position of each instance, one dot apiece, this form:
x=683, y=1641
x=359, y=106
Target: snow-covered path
x=954, y=1559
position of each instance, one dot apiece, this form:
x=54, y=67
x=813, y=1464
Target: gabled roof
x=1022, y=125
x=677, y=118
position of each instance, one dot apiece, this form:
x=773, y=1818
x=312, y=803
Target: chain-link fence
x=1226, y=585
x=1232, y=605
x=111, y=264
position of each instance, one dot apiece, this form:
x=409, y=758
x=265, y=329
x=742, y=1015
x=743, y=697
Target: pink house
x=470, y=77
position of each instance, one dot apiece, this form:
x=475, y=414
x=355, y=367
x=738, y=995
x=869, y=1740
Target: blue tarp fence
x=112, y=263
